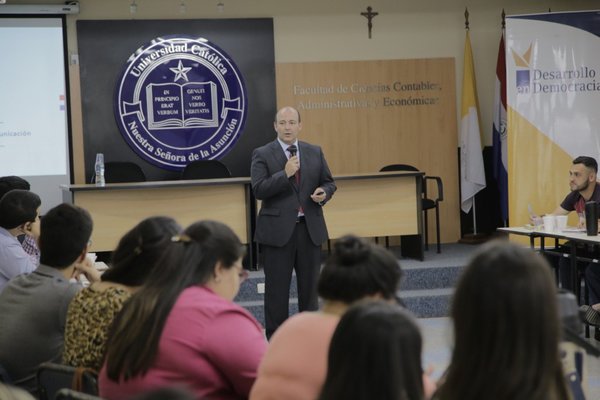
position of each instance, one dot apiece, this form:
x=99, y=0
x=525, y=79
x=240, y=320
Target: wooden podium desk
x=367, y=205
x=378, y=204
x=118, y=207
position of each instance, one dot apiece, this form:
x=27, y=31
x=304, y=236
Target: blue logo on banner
x=180, y=99
x=523, y=61
x=523, y=78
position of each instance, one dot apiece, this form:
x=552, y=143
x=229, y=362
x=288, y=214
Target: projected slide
x=33, y=115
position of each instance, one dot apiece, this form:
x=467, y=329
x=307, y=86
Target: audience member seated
x=19, y=215
x=182, y=326
x=506, y=329
x=93, y=309
x=295, y=364
x=33, y=307
x=29, y=242
x=375, y=353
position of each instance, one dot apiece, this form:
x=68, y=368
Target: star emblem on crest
x=180, y=72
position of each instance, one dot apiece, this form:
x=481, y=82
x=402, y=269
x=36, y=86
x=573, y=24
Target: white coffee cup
x=561, y=222
x=549, y=223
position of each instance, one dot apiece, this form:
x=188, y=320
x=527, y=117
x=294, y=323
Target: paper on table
x=101, y=265
x=532, y=227
x=573, y=229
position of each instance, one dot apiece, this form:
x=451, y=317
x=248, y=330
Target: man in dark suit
x=293, y=181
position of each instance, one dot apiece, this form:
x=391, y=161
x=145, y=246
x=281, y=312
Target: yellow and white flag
x=472, y=173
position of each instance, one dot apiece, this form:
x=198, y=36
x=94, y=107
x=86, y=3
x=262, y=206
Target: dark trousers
x=592, y=278
x=564, y=273
x=299, y=254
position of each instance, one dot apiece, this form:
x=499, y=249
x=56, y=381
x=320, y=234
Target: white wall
x=334, y=30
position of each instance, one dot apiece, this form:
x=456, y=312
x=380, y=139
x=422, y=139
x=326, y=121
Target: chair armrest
x=440, y=186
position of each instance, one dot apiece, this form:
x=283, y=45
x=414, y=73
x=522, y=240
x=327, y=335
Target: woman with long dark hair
x=182, y=327
x=375, y=353
x=506, y=329
x=93, y=309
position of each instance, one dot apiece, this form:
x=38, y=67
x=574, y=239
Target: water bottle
x=591, y=218
x=99, y=169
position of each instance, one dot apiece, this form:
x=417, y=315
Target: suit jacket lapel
x=304, y=163
x=278, y=153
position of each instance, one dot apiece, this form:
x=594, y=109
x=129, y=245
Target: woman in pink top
x=182, y=327
x=295, y=364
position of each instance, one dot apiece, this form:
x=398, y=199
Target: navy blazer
x=281, y=196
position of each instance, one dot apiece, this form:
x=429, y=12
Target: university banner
x=553, y=98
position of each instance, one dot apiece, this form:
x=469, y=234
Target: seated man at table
x=33, y=307
x=19, y=215
x=584, y=188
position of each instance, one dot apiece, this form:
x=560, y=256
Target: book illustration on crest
x=191, y=105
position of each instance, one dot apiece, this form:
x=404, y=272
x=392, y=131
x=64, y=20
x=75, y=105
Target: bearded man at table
x=584, y=188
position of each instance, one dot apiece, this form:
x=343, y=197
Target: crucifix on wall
x=369, y=15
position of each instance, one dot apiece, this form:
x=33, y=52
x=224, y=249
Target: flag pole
x=499, y=129
x=504, y=218
x=473, y=207
x=474, y=217
x=471, y=166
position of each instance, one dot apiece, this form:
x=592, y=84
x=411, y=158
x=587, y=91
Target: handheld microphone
x=293, y=150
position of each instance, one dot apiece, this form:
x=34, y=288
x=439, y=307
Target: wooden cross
x=369, y=15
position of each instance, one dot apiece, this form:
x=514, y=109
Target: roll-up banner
x=553, y=96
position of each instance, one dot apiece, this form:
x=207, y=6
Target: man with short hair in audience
x=19, y=215
x=29, y=243
x=583, y=176
x=33, y=307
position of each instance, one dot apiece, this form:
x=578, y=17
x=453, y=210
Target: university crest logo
x=180, y=99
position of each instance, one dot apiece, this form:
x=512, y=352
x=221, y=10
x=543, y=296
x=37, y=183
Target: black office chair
x=426, y=203
x=205, y=169
x=123, y=171
x=52, y=377
x=4, y=377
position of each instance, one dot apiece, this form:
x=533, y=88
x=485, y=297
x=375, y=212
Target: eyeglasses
x=89, y=244
x=242, y=272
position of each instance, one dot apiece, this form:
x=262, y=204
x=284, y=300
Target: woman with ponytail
x=295, y=364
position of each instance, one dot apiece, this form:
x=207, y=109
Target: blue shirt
x=14, y=260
